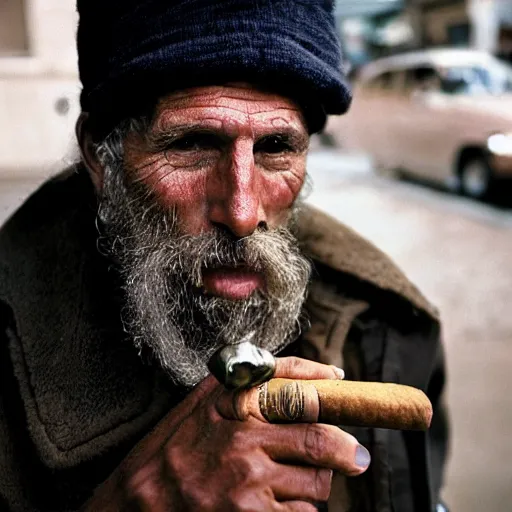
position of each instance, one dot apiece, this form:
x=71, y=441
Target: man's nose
x=234, y=195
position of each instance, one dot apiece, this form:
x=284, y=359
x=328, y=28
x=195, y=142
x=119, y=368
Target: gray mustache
x=216, y=249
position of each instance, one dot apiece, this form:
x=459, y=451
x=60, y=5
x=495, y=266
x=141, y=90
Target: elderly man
x=181, y=231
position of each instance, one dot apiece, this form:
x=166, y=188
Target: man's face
x=199, y=219
x=225, y=157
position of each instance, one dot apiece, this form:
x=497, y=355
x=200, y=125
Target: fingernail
x=339, y=372
x=363, y=458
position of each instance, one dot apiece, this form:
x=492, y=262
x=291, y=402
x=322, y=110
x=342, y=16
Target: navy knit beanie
x=133, y=51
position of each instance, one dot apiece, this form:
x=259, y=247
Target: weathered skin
x=201, y=458
x=227, y=178
x=212, y=155
x=236, y=175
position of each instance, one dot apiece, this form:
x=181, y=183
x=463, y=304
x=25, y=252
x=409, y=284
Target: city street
x=459, y=253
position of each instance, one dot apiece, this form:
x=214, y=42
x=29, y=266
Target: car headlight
x=500, y=144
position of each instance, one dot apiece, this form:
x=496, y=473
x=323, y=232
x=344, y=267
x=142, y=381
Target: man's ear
x=88, y=152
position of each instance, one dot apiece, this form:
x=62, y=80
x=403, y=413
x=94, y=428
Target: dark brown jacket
x=75, y=396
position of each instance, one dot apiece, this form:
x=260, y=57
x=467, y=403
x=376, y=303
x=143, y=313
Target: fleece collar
x=84, y=387
x=337, y=246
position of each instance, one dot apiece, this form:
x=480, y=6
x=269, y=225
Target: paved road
x=460, y=254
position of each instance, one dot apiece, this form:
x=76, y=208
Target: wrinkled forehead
x=232, y=105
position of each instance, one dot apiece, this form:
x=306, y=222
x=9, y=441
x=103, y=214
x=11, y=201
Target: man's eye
x=194, y=142
x=272, y=145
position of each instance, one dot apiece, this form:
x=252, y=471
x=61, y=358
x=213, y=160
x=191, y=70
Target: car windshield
x=491, y=78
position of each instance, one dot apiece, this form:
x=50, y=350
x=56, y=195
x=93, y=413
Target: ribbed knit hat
x=133, y=50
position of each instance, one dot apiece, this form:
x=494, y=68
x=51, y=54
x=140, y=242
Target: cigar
x=243, y=366
x=336, y=402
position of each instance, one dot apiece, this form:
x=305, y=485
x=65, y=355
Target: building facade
x=482, y=24
x=39, y=85
x=440, y=22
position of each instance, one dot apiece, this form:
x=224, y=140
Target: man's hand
x=201, y=458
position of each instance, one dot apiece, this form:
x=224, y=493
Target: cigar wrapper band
x=347, y=403
x=293, y=402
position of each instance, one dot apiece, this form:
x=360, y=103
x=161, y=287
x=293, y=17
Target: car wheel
x=476, y=177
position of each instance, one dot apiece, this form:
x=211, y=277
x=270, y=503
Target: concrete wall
x=39, y=90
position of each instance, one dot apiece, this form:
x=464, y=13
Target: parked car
x=443, y=115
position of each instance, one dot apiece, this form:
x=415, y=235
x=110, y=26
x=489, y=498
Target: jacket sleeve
x=438, y=436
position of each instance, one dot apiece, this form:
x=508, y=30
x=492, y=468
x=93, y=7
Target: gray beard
x=166, y=307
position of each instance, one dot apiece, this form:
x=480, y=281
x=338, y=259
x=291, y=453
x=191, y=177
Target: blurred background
x=420, y=166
